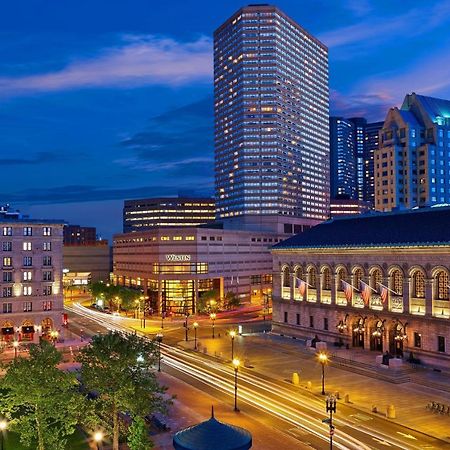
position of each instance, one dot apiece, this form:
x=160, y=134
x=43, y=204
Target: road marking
x=382, y=442
x=361, y=417
x=408, y=436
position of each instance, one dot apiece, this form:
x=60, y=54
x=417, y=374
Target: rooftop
x=419, y=227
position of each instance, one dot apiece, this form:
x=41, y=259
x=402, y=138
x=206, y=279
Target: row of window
x=27, y=261
x=28, y=307
x=26, y=246
x=27, y=231
x=7, y=291
x=27, y=276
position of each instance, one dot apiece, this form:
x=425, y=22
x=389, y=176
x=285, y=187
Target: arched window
x=376, y=278
x=299, y=272
x=357, y=277
x=341, y=276
x=418, y=284
x=441, y=285
x=326, y=279
x=286, y=282
x=312, y=277
x=397, y=282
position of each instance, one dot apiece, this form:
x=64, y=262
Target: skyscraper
x=371, y=137
x=271, y=118
x=359, y=127
x=413, y=159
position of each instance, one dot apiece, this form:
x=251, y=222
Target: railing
x=376, y=303
x=357, y=301
x=286, y=293
x=325, y=297
x=312, y=295
x=340, y=299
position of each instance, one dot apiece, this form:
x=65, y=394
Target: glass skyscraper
x=271, y=117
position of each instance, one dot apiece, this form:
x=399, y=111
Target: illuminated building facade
x=271, y=119
x=413, y=159
x=145, y=214
x=371, y=143
x=348, y=207
x=377, y=282
x=174, y=266
x=31, y=278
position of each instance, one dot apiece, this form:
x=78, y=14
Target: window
x=7, y=291
x=419, y=284
x=27, y=231
x=285, y=317
x=47, y=231
x=212, y=238
x=27, y=290
x=27, y=261
x=177, y=238
x=417, y=340
x=165, y=238
x=27, y=306
x=7, y=277
x=441, y=286
x=26, y=246
x=190, y=238
x=312, y=278
x=47, y=305
x=203, y=238
x=397, y=282
x=326, y=274
x=47, y=261
x=7, y=261
x=46, y=275
x=7, y=246
x=7, y=308
x=325, y=323
x=27, y=276
x=441, y=343
x=47, y=290
x=298, y=319
x=7, y=231
x=47, y=246
x=311, y=321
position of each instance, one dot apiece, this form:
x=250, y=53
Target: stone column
x=319, y=289
x=385, y=340
x=333, y=290
x=406, y=294
x=428, y=296
x=292, y=287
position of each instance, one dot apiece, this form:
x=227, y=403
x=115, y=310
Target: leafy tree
x=209, y=301
x=42, y=402
x=137, y=438
x=232, y=300
x=119, y=368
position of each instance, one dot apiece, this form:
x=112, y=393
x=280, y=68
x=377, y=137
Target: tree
x=137, y=438
x=232, y=300
x=42, y=402
x=209, y=301
x=119, y=368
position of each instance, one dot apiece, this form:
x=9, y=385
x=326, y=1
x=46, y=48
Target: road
x=287, y=408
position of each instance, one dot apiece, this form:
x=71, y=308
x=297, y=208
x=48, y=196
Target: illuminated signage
x=178, y=258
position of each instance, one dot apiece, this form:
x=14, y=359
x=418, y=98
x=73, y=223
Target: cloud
x=137, y=61
x=358, y=7
x=39, y=158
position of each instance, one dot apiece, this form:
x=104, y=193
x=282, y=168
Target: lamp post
x=323, y=359
x=232, y=336
x=195, y=325
x=163, y=316
x=236, y=364
x=159, y=338
x=213, y=316
x=3, y=427
x=331, y=408
x=186, y=329
x=98, y=438
x=16, y=348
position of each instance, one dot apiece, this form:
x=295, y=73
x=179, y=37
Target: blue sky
x=106, y=100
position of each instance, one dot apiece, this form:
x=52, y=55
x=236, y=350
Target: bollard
x=205, y=350
x=347, y=398
x=309, y=385
x=338, y=395
x=374, y=409
x=295, y=379
x=390, y=412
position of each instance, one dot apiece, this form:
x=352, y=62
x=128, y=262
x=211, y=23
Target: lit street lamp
x=232, y=336
x=54, y=336
x=213, y=316
x=331, y=408
x=159, y=338
x=98, y=438
x=3, y=427
x=195, y=325
x=323, y=359
x=16, y=348
x=236, y=364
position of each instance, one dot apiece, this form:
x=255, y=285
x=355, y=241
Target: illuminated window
x=326, y=279
x=7, y=261
x=27, y=231
x=27, y=290
x=190, y=238
x=312, y=277
x=26, y=246
x=165, y=238
x=177, y=238
x=397, y=282
x=27, y=276
x=376, y=278
x=357, y=277
x=441, y=286
x=47, y=231
x=418, y=279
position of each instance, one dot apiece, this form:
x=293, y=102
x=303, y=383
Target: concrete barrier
x=390, y=412
x=295, y=379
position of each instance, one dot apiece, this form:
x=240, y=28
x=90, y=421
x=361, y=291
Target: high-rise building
x=271, y=119
x=343, y=180
x=359, y=127
x=145, y=214
x=77, y=235
x=371, y=144
x=413, y=159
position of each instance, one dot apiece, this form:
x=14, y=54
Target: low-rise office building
x=31, y=277
x=378, y=282
x=174, y=266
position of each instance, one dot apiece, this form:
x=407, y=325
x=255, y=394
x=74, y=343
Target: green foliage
x=137, y=438
x=42, y=403
x=116, y=296
x=231, y=301
x=120, y=369
x=209, y=302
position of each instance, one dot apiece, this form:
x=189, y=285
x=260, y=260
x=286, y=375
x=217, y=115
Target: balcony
x=357, y=301
x=286, y=293
x=312, y=295
x=375, y=303
x=325, y=297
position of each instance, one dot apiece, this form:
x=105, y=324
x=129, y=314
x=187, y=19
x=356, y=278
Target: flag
x=302, y=286
x=366, y=291
x=384, y=292
x=348, y=290
x=237, y=280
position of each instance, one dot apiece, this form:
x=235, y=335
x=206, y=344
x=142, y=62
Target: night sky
x=106, y=100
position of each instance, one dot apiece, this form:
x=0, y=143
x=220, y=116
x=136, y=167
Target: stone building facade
x=379, y=282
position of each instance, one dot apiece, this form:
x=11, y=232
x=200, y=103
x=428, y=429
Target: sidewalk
x=278, y=357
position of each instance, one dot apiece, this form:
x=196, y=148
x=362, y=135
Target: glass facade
x=271, y=117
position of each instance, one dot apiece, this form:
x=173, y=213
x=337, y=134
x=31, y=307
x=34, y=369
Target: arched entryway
x=27, y=330
x=397, y=336
x=376, y=336
x=7, y=331
x=47, y=326
x=358, y=332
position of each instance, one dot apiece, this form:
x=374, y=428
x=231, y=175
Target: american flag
x=348, y=290
x=383, y=292
x=366, y=291
x=301, y=285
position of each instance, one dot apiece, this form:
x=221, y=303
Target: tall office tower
x=371, y=137
x=359, y=125
x=271, y=119
x=343, y=180
x=413, y=160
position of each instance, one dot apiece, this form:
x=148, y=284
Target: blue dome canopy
x=212, y=435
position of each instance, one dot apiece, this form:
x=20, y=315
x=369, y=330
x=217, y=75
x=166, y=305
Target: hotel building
x=412, y=164
x=145, y=214
x=31, y=277
x=376, y=282
x=271, y=103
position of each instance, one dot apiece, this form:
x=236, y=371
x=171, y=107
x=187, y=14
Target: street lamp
x=163, y=316
x=323, y=359
x=3, y=427
x=331, y=408
x=195, y=325
x=186, y=329
x=159, y=338
x=232, y=336
x=236, y=364
x=213, y=316
x=16, y=348
x=98, y=438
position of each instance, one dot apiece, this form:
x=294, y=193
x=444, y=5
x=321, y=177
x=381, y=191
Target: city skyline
x=89, y=100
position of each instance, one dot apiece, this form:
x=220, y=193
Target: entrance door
x=376, y=343
x=358, y=338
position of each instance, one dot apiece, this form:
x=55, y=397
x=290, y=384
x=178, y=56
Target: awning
x=8, y=330
x=28, y=329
